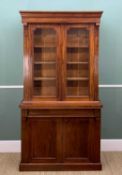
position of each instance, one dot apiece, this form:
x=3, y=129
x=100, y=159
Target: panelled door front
x=45, y=57
x=78, y=54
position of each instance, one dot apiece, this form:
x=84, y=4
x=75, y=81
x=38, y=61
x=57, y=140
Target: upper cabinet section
x=61, y=56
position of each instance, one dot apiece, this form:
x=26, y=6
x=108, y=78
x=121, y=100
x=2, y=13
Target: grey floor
x=112, y=165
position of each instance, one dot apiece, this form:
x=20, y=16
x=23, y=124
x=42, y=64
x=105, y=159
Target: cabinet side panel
x=94, y=138
x=25, y=138
x=27, y=64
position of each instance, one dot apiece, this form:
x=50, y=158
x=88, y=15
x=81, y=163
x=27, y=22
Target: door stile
x=64, y=57
x=92, y=63
x=59, y=62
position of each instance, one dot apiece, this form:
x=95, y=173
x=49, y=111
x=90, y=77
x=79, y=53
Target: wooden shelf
x=78, y=47
x=44, y=62
x=44, y=78
x=43, y=96
x=78, y=78
x=74, y=62
x=44, y=46
x=78, y=96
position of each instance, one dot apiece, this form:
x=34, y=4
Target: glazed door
x=46, y=62
x=78, y=60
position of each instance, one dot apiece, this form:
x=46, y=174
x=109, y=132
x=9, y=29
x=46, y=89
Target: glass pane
x=44, y=68
x=77, y=62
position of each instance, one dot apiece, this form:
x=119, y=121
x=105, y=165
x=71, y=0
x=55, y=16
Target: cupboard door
x=76, y=60
x=45, y=56
x=43, y=139
x=75, y=139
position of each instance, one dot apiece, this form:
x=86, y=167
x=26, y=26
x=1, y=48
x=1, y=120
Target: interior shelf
x=77, y=46
x=44, y=62
x=44, y=46
x=78, y=78
x=44, y=78
x=76, y=62
x=78, y=96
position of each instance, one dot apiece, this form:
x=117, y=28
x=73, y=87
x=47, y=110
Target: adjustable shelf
x=80, y=62
x=44, y=78
x=77, y=79
x=44, y=46
x=44, y=62
x=78, y=47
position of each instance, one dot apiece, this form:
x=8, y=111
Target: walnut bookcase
x=60, y=108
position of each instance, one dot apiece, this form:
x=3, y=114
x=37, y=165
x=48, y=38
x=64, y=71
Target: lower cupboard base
x=59, y=167
x=60, y=140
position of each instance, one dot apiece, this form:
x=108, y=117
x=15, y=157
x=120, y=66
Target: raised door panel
x=43, y=140
x=75, y=139
x=45, y=59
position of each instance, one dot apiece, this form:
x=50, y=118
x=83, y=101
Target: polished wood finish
x=60, y=109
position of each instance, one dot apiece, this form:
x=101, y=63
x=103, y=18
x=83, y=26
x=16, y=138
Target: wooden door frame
x=56, y=28
x=90, y=28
